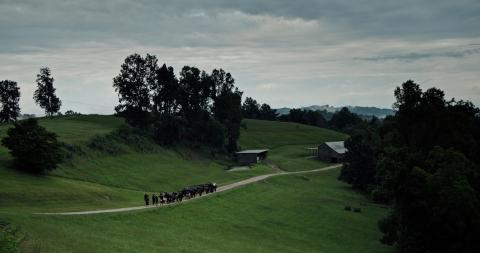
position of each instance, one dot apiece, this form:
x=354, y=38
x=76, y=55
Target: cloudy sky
x=282, y=52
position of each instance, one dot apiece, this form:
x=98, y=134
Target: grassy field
x=272, y=134
x=301, y=213
x=288, y=142
x=282, y=214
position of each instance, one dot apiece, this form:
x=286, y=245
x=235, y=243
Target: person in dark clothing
x=146, y=198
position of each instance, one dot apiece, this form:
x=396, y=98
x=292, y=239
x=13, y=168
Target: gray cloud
x=287, y=53
x=408, y=57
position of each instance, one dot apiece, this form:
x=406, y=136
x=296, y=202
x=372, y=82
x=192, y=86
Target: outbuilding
x=332, y=151
x=247, y=157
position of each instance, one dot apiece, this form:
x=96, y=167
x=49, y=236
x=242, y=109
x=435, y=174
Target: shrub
x=34, y=149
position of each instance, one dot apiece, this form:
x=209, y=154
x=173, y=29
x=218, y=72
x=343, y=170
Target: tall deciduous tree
x=267, y=113
x=132, y=86
x=165, y=91
x=227, y=106
x=9, y=97
x=250, y=108
x=45, y=94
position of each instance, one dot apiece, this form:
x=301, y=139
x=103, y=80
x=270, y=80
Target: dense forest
x=424, y=161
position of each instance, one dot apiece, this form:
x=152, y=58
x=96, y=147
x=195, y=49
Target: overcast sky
x=282, y=52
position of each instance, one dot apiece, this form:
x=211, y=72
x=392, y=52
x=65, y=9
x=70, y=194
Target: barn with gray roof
x=332, y=151
x=247, y=157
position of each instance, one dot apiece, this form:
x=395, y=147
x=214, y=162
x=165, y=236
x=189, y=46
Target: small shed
x=246, y=157
x=332, y=151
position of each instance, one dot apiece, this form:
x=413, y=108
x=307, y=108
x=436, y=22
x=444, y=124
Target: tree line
x=34, y=149
x=342, y=120
x=44, y=96
x=424, y=161
x=198, y=107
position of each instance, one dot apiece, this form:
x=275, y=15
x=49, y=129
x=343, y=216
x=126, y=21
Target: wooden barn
x=247, y=157
x=332, y=151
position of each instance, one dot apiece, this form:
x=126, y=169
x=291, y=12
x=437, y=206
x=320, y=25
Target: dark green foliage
x=250, y=108
x=197, y=108
x=45, y=93
x=227, y=107
x=359, y=167
x=10, y=238
x=133, y=89
x=121, y=141
x=428, y=166
x=34, y=149
x=71, y=113
x=168, y=129
x=9, y=97
x=165, y=91
x=344, y=120
x=309, y=117
x=267, y=113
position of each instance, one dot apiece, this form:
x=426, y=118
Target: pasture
x=293, y=213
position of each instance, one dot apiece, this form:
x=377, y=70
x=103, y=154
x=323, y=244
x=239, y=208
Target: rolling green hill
x=272, y=134
x=282, y=214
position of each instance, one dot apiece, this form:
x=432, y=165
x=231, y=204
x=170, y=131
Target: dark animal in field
x=187, y=192
x=146, y=198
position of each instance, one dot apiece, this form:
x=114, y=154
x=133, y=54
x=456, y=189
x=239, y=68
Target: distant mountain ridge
x=360, y=110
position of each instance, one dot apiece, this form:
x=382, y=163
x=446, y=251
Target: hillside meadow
x=294, y=213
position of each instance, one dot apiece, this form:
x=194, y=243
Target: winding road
x=219, y=189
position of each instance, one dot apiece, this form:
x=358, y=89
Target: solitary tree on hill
x=45, y=93
x=9, y=97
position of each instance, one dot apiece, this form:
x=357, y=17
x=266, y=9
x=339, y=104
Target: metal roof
x=252, y=151
x=337, y=146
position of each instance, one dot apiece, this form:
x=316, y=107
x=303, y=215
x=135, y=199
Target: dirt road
x=219, y=189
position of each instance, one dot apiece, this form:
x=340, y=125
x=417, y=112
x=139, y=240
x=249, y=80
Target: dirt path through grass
x=219, y=189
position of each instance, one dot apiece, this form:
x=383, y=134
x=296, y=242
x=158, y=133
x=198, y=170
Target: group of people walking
x=187, y=192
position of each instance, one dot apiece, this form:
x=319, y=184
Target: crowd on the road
x=187, y=192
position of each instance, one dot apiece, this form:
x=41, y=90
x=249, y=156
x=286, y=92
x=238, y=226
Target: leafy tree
x=71, y=112
x=34, y=148
x=45, y=93
x=9, y=97
x=194, y=97
x=314, y=118
x=267, y=113
x=436, y=209
x=168, y=129
x=227, y=106
x=133, y=89
x=430, y=170
x=359, y=167
x=250, y=108
x=344, y=120
x=165, y=91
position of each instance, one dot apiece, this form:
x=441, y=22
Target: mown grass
x=301, y=213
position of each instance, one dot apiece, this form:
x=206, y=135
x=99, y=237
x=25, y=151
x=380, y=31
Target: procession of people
x=187, y=192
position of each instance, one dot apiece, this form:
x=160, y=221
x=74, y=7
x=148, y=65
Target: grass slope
x=287, y=142
x=302, y=213
x=272, y=134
